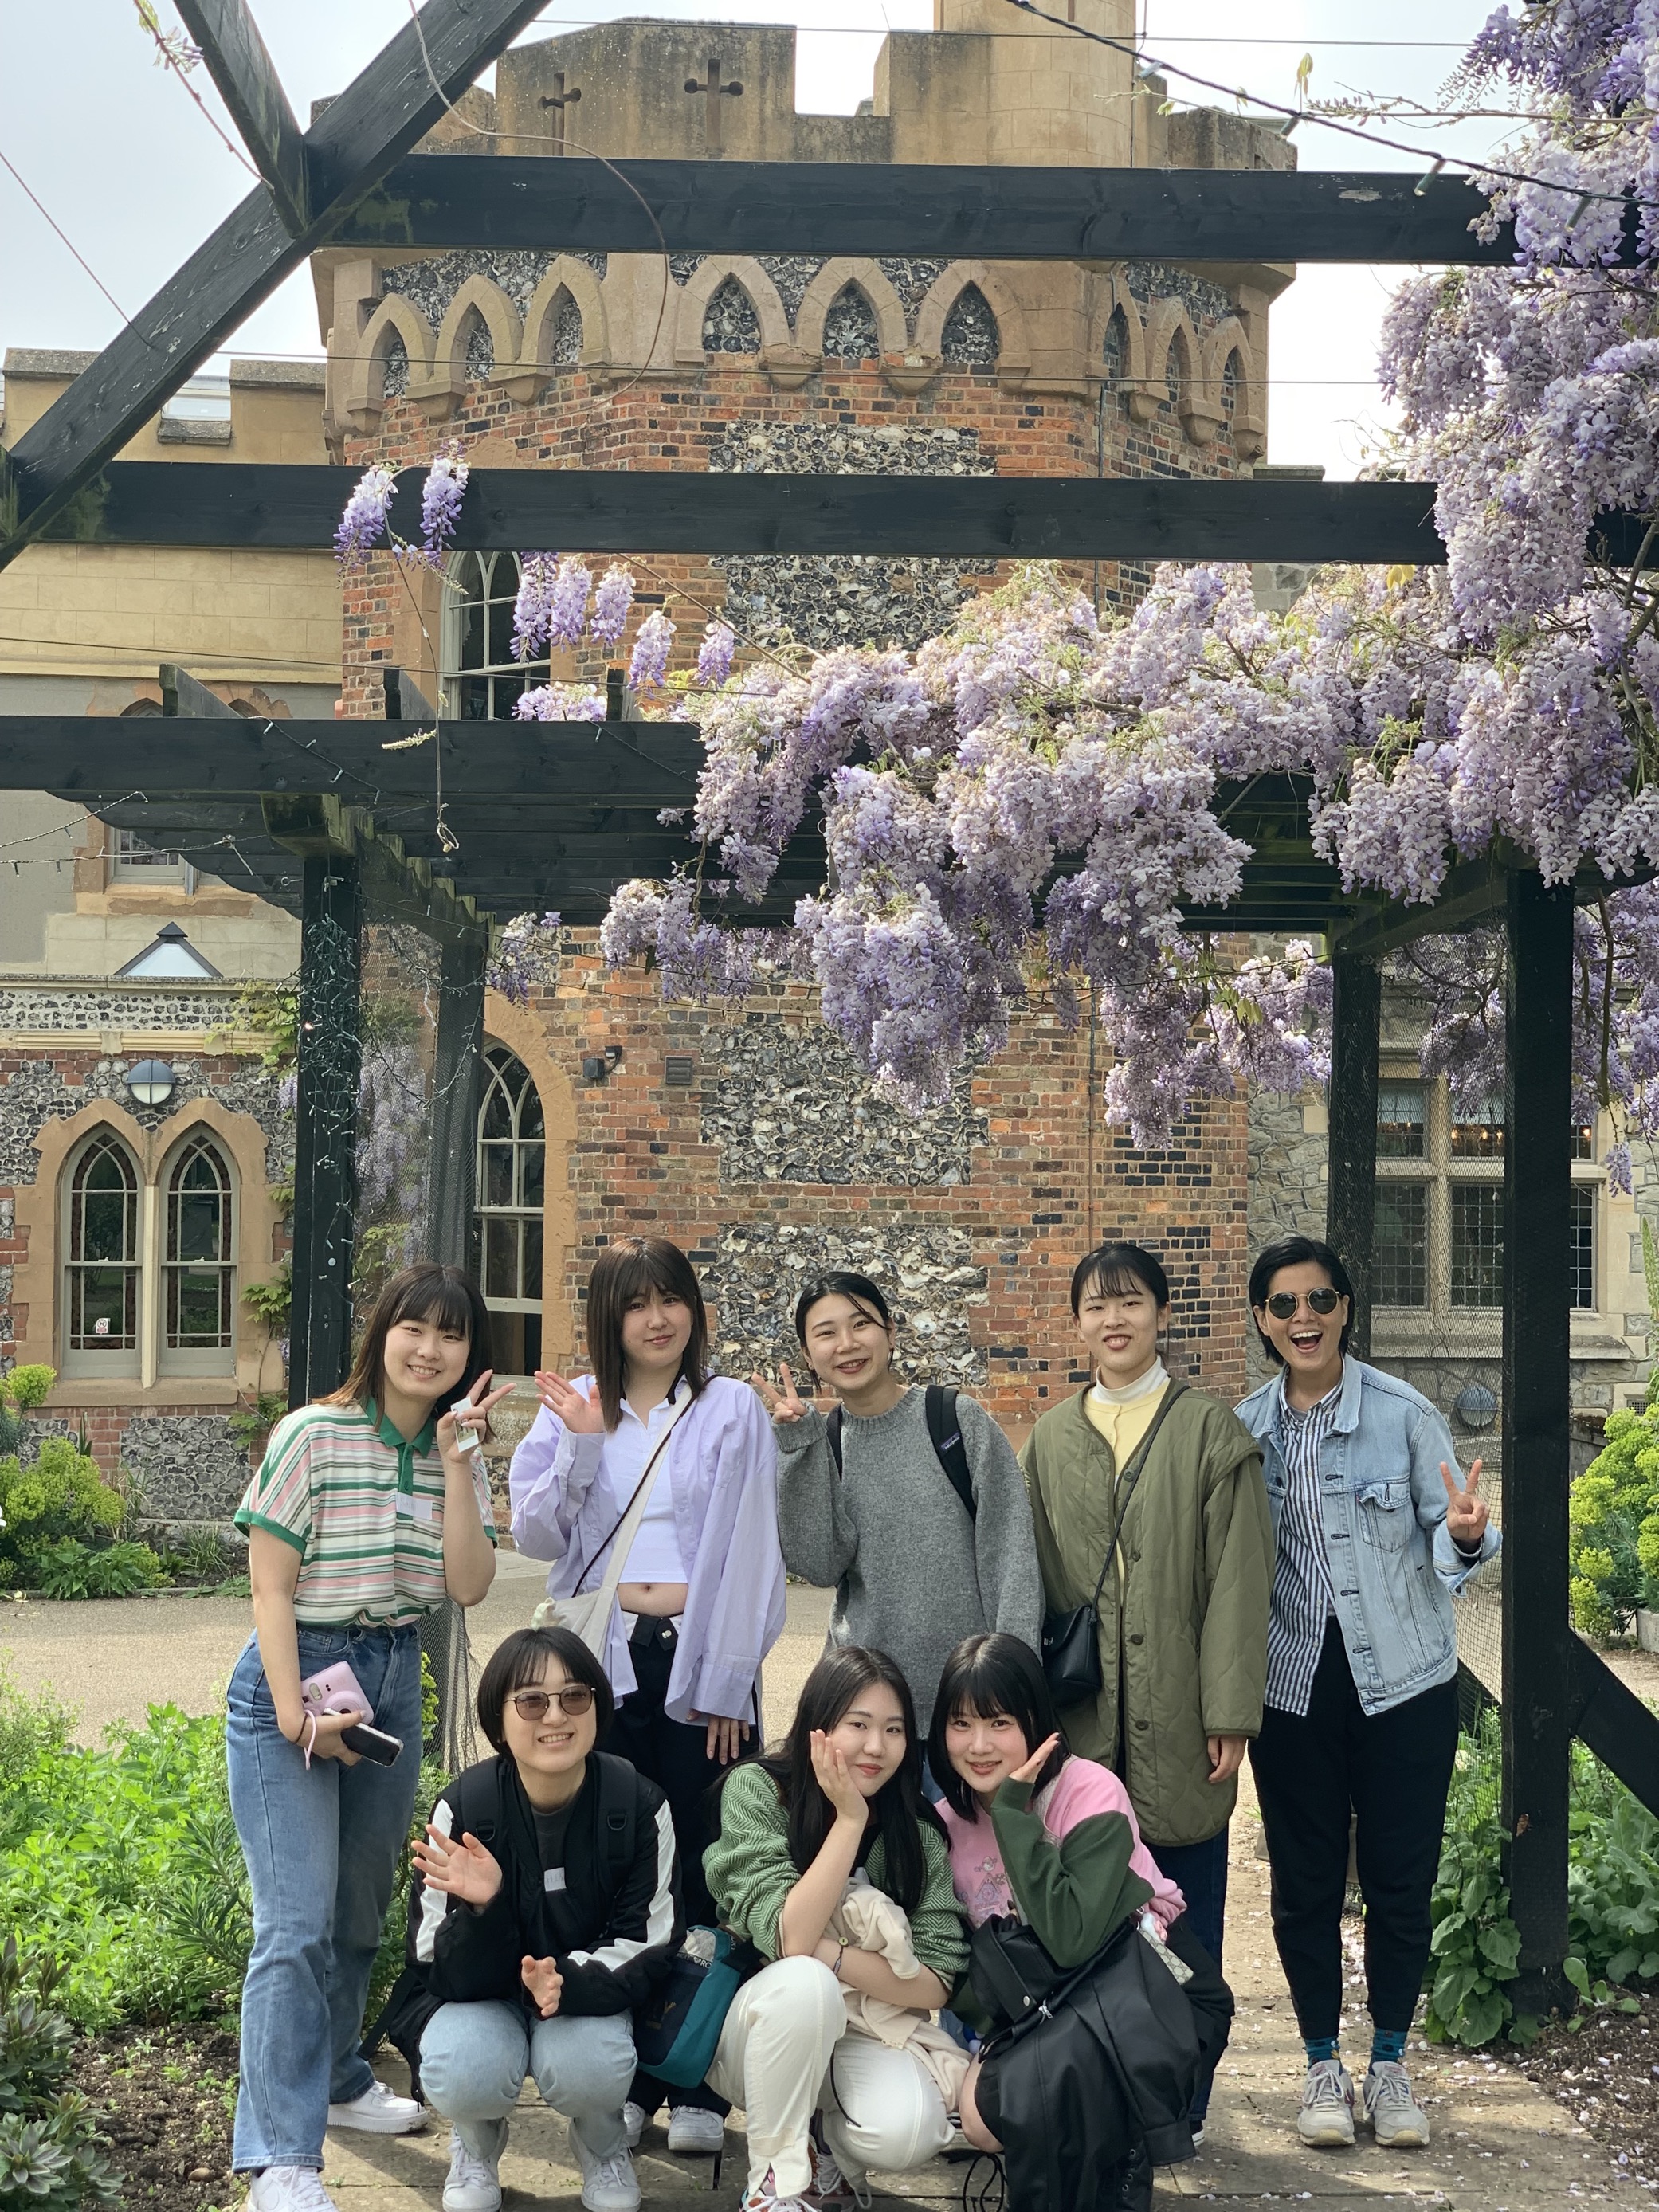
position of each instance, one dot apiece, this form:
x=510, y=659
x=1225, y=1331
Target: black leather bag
x=1071, y=1642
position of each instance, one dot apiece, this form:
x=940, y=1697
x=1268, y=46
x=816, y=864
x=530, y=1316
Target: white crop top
x=656, y=1556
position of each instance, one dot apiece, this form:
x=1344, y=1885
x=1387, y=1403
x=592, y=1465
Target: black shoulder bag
x=1071, y=1641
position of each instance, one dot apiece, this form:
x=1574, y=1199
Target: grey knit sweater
x=912, y=1574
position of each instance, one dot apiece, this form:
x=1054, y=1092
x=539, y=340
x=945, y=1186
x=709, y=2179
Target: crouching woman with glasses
x=1377, y=1531
x=546, y=1904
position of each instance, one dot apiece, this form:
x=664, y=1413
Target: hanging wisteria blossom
x=567, y=603
x=367, y=519
x=440, y=501
x=719, y=643
x=533, y=607
x=559, y=703
x=611, y=603
x=526, y=955
x=651, y=650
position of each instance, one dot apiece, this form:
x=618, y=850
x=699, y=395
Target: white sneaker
x=831, y=2191
x=289, y=2189
x=1326, y=2119
x=474, y=2183
x=378, y=2112
x=1385, y=2100
x=608, y=2184
x=634, y=2121
x=693, y=2132
x=764, y=2196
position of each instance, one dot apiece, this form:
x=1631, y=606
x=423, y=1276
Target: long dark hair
x=989, y=1676
x=623, y=1272
x=899, y=1807
x=1296, y=1252
x=428, y=1291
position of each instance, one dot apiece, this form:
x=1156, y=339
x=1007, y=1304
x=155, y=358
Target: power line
x=64, y=236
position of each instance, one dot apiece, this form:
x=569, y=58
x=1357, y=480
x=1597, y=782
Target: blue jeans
x=474, y=2059
x=322, y=1848
x=1200, y=1872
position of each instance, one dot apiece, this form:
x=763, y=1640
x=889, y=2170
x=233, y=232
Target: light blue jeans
x=475, y=2058
x=322, y=1848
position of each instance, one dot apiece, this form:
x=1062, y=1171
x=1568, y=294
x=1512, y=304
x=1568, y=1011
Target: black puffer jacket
x=1095, y=2064
x=613, y=1922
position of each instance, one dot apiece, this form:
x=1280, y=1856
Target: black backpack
x=944, y=1429
x=476, y=1797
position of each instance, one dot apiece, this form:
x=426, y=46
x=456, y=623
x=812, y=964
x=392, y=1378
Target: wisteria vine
x=1026, y=804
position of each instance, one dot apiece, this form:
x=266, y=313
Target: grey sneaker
x=1326, y=2120
x=1385, y=2100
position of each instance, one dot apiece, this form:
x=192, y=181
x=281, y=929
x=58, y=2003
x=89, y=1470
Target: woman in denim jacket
x=1377, y=1531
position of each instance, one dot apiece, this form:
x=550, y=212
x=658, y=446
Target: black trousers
x=1391, y=1772
x=673, y=1754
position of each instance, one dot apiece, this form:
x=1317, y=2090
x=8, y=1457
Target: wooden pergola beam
x=245, y=77
x=404, y=90
x=436, y=203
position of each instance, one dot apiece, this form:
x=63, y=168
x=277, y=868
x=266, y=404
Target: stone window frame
x=512, y=1212
x=122, y=1359
x=499, y=674
x=520, y=1028
x=175, y=1359
x=37, y=1280
x=1438, y=1171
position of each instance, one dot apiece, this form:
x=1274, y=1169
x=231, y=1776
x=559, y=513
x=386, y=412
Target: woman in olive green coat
x=1182, y=1613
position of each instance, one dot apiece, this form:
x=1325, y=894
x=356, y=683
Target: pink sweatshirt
x=1082, y=1790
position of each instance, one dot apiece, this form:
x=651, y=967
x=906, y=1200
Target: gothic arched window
x=512, y=1191
x=198, y=1268
x=102, y=1259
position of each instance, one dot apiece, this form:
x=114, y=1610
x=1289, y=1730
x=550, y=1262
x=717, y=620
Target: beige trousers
x=785, y=2053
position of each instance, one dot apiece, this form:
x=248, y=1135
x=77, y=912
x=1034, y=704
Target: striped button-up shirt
x=1304, y=1596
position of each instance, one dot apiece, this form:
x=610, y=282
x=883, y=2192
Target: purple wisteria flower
x=367, y=516
x=567, y=603
x=559, y=703
x=525, y=957
x=532, y=609
x=651, y=650
x=440, y=501
x=611, y=603
x=719, y=642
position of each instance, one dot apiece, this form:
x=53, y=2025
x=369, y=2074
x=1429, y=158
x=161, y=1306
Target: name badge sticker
x=405, y=1506
x=553, y=1878
x=410, y=1508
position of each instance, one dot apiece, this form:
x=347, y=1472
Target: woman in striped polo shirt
x=366, y=1513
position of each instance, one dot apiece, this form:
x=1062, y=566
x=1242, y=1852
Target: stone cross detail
x=710, y=86
x=558, y=100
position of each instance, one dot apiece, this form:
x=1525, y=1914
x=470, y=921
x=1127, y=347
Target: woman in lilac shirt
x=700, y=1601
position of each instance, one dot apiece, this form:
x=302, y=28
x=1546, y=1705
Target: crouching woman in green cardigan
x=818, y=1846
x=1150, y=1494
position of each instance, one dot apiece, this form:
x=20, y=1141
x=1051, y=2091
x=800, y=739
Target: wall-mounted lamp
x=596, y=1066
x=1475, y=1405
x=151, y=1083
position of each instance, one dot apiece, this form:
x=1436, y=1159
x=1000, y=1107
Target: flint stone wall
x=924, y=1268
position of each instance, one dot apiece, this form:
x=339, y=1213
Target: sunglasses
x=576, y=1699
x=1283, y=1304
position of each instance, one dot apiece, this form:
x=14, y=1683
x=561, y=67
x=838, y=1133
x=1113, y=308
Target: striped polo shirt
x=365, y=1510
x=1304, y=1596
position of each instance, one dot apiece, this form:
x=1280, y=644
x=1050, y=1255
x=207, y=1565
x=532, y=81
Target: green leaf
x=1578, y=1974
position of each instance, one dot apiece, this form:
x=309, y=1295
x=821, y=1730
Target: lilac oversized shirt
x=726, y=1513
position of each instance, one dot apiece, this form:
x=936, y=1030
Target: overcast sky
x=133, y=173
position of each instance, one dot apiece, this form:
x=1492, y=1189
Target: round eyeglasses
x=1283, y=1304
x=574, y=1699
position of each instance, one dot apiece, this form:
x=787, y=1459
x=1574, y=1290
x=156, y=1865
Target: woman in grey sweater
x=910, y=1504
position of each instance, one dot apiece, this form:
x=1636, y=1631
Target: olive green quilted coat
x=1184, y=1610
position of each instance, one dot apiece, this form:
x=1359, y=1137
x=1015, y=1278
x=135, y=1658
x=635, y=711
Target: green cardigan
x=1198, y=1551
x=751, y=1873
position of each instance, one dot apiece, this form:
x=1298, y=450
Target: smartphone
x=373, y=1743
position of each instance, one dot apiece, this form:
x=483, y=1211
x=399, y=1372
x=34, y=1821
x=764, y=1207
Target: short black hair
x=1119, y=1270
x=991, y=1676
x=517, y=1663
x=1296, y=1252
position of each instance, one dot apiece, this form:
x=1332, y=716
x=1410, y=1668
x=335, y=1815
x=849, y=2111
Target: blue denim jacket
x=1395, y=1570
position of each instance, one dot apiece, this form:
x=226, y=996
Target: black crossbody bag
x=1071, y=1641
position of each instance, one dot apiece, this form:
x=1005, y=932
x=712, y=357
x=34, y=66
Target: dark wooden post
x=1351, y=1147
x=1537, y=1638
x=456, y=1090
x=325, y=1135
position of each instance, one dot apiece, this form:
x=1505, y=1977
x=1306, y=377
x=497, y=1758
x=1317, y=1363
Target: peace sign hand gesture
x=783, y=1404
x=1466, y=1513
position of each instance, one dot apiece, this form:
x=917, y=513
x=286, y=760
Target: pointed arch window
x=103, y=1265
x=198, y=1265
x=512, y=1194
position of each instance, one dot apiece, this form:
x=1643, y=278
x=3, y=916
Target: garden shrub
x=61, y=1519
x=1612, y=1895
x=1613, y=1514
